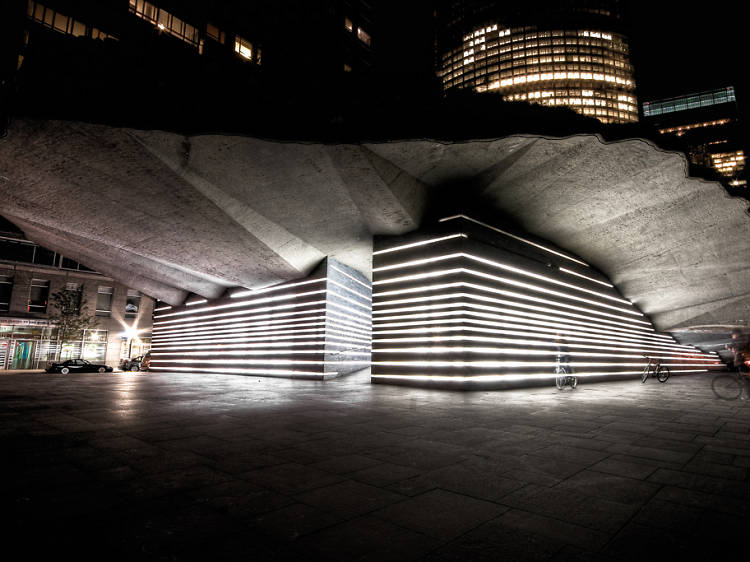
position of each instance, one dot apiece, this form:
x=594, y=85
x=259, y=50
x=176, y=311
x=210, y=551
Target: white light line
x=232, y=371
x=193, y=303
x=488, y=364
x=504, y=267
x=272, y=288
x=570, y=272
x=503, y=292
x=519, y=238
x=417, y=244
x=511, y=377
x=456, y=300
x=162, y=308
x=503, y=280
x=249, y=304
x=550, y=342
x=367, y=298
x=344, y=273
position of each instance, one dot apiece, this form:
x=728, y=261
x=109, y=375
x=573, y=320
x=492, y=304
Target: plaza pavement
x=147, y=466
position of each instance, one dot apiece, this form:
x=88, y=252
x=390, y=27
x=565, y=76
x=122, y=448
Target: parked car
x=132, y=364
x=78, y=366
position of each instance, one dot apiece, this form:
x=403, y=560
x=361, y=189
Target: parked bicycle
x=563, y=376
x=655, y=369
x=729, y=386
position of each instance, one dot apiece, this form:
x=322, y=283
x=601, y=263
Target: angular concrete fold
x=170, y=214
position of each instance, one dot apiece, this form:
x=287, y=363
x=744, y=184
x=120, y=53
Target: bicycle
x=729, y=386
x=661, y=372
x=563, y=376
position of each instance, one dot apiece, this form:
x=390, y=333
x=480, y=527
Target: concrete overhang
x=172, y=215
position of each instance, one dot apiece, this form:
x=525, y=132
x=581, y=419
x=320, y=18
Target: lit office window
x=363, y=36
x=728, y=163
x=246, y=49
x=348, y=25
x=6, y=288
x=38, y=294
x=167, y=22
x=104, y=301
x=61, y=23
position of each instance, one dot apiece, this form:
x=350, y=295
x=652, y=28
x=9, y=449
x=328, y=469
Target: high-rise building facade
x=708, y=122
x=556, y=53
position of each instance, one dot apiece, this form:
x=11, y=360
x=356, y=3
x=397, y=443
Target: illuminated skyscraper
x=557, y=53
x=709, y=124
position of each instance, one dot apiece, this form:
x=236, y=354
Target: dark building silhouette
x=556, y=53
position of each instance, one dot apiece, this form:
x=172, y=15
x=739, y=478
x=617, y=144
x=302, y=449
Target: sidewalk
x=183, y=467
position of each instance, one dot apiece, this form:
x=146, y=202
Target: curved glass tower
x=560, y=53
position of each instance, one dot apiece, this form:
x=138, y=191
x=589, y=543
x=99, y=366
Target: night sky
x=677, y=49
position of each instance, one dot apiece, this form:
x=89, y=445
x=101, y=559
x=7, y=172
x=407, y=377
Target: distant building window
x=132, y=304
x=213, y=32
x=246, y=49
x=104, y=301
x=38, y=295
x=347, y=67
x=363, y=36
x=60, y=22
x=166, y=22
x=6, y=288
x=348, y=25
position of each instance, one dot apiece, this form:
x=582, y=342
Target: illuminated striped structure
x=470, y=304
x=317, y=328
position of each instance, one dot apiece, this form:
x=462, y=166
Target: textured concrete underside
x=171, y=215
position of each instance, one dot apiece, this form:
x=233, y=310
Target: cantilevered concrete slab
x=173, y=215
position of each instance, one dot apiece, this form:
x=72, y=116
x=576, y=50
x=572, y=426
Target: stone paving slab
x=183, y=467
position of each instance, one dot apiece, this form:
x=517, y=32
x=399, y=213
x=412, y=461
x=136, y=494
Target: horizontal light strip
x=281, y=287
x=429, y=321
x=345, y=274
x=487, y=364
x=515, y=237
x=498, y=265
x=438, y=350
x=252, y=315
x=332, y=295
x=236, y=305
x=455, y=300
x=512, y=377
x=418, y=244
x=531, y=331
x=569, y=342
x=231, y=371
x=193, y=303
x=503, y=280
x=570, y=272
x=258, y=327
x=251, y=353
x=162, y=308
x=255, y=362
x=618, y=320
x=367, y=298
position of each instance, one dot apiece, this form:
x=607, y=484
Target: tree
x=70, y=315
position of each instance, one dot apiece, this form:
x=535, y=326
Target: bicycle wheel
x=560, y=381
x=727, y=387
x=663, y=373
x=644, y=376
x=573, y=382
